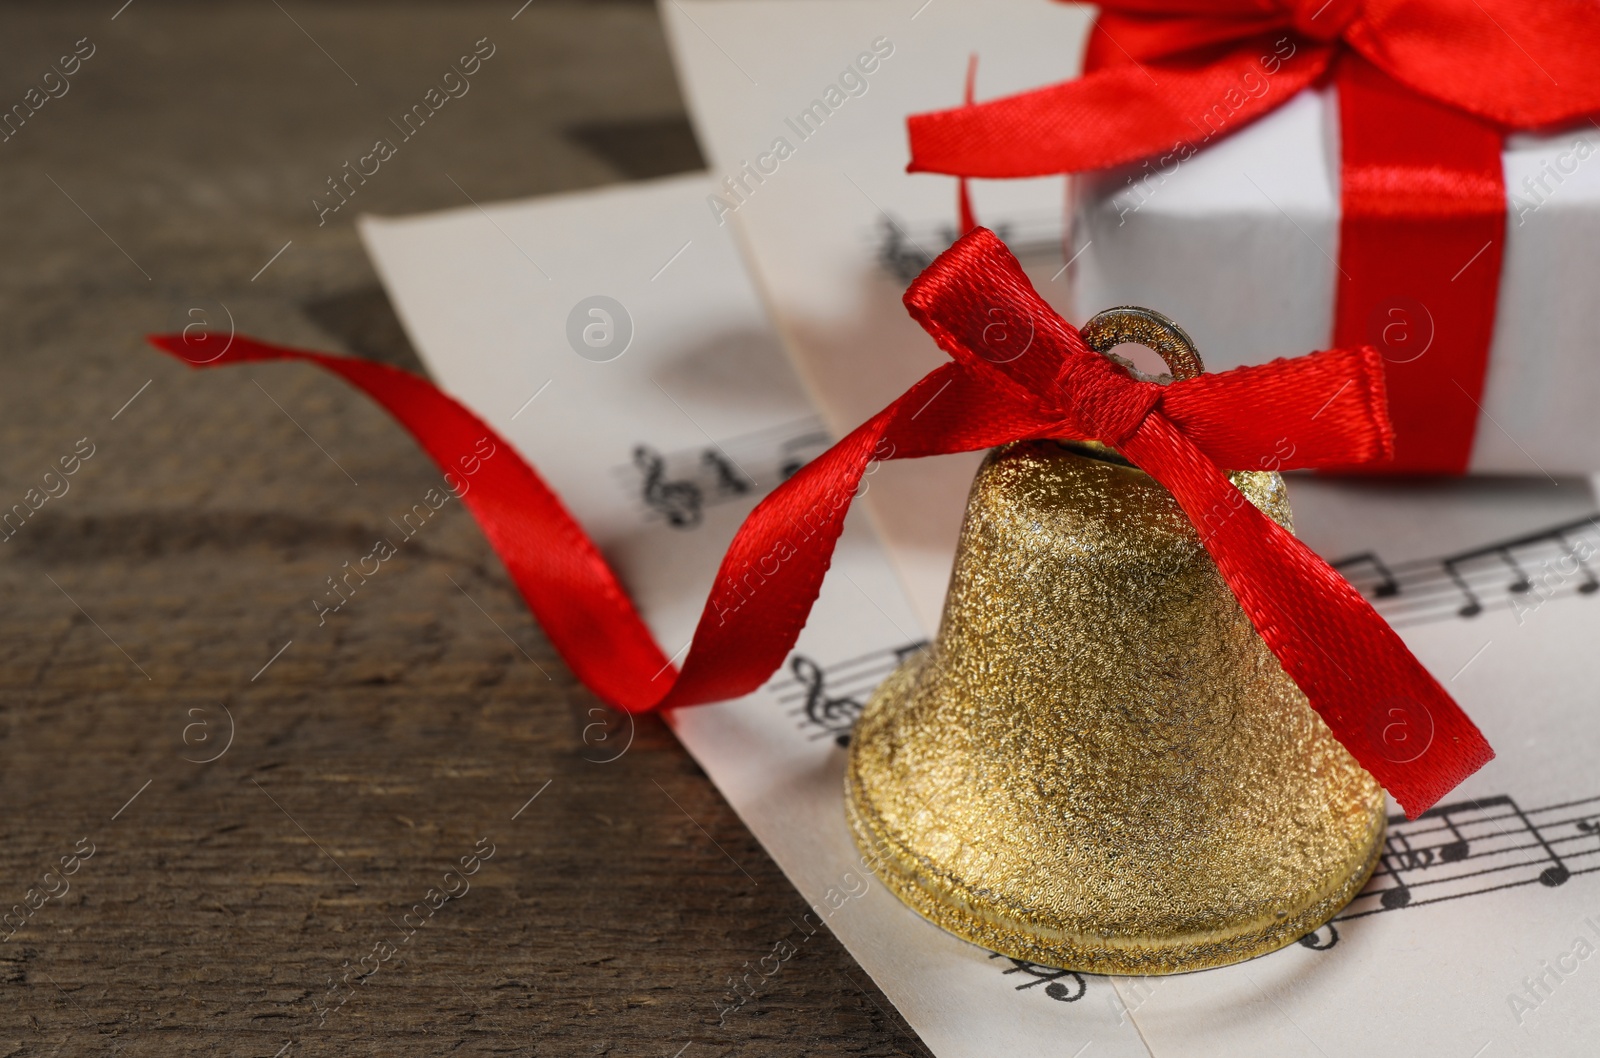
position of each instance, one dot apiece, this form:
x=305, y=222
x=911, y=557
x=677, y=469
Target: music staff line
x=905, y=249
x=679, y=485
x=830, y=698
x=1521, y=571
x=1415, y=863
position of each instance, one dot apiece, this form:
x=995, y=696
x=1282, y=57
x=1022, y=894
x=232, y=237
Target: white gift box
x=1240, y=243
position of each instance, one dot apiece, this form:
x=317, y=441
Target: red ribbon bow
x=1020, y=372
x=1427, y=89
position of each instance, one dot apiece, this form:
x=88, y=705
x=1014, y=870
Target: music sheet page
x=665, y=417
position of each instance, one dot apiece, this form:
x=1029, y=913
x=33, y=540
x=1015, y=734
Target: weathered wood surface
x=140, y=606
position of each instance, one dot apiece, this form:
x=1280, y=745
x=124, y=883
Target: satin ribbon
x=1018, y=371
x=1427, y=89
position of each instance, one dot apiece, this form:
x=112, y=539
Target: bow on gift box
x=1020, y=371
x=1427, y=90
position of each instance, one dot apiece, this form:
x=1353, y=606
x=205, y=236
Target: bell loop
x=1149, y=328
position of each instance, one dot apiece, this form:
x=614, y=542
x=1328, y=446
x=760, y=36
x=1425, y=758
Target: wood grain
x=139, y=608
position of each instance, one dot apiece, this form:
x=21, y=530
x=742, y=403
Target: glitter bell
x=1099, y=765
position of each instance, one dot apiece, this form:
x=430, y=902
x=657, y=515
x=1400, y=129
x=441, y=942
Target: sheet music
x=678, y=486
x=1496, y=575
x=1461, y=944
x=1466, y=848
x=625, y=441
x=1449, y=551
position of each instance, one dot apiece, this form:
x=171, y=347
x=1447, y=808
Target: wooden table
x=266, y=798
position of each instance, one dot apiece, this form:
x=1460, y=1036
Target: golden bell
x=1099, y=765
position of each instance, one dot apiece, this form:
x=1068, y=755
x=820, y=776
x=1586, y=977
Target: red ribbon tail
x=553, y=562
x=767, y=582
x=1376, y=698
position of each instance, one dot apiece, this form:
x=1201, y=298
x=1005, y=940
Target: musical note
x=1387, y=586
x=729, y=479
x=901, y=256
x=1481, y=846
x=679, y=501
x=682, y=485
x=1555, y=874
x=1590, y=583
x=1314, y=941
x=1403, y=856
x=1521, y=583
x=1543, y=564
x=1398, y=895
x=1050, y=978
x=1473, y=606
x=1457, y=850
x=791, y=450
x=1590, y=826
x=905, y=249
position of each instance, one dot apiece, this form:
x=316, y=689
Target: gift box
x=1241, y=243
x=1283, y=177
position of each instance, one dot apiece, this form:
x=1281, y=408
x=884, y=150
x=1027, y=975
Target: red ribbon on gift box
x=1019, y=372
x=1427, y=91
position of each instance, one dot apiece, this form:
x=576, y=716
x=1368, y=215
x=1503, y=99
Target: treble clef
x=679, y=501
x=834, y=715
